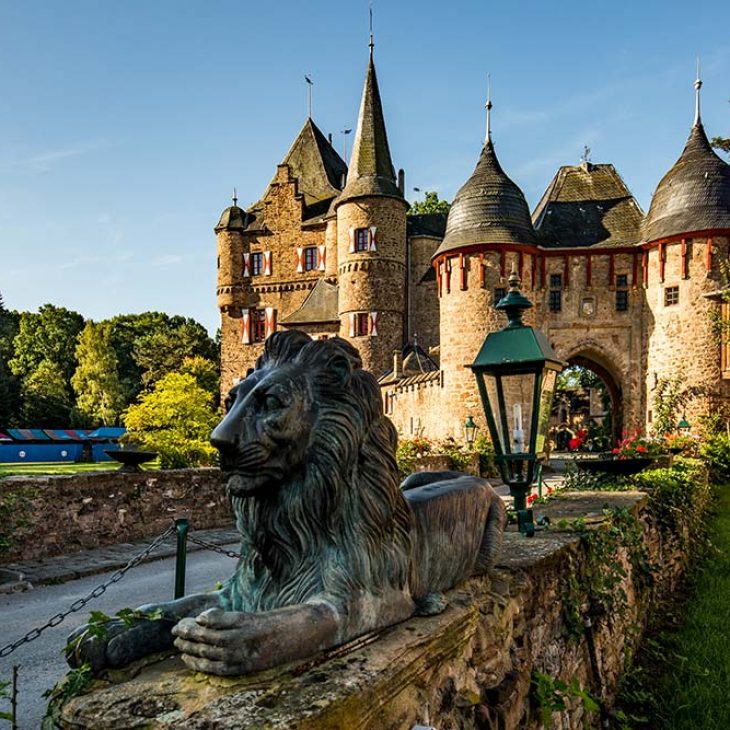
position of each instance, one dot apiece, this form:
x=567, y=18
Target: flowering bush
x=679, y=443
x=576, y=443
x=637, y=446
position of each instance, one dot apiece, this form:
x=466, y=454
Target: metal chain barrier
x=81, y=602
x=215, y=548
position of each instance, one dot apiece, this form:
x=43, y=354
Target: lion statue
x=332, y=547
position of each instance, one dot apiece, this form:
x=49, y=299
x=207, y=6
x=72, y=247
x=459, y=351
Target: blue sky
x=125, y=125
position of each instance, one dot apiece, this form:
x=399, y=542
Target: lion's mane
x=341, y=526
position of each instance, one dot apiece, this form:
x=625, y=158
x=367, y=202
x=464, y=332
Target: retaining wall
x=473, y=666
x=58, y=515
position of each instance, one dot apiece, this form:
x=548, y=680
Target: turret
x=488, y=233
x=371, y=240
x=231, y=247
x=686, y=237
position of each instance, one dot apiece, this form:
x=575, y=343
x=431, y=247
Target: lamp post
x=516, y=370
x=470, y=431
x=683, y=426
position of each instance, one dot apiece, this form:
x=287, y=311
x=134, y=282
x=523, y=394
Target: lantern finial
x=515, y=302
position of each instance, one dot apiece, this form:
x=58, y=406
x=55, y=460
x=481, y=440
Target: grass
x=7, y=470
x=684, y=673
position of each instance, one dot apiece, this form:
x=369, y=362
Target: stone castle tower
x=330, y=250
x=371, y=239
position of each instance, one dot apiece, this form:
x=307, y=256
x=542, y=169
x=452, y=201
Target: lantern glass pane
x=547, y=391
x=510, y=398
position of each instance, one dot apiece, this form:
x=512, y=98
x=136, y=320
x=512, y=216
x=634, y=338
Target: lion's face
x=265, y=435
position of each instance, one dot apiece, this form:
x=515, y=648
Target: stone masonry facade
x=330, y=249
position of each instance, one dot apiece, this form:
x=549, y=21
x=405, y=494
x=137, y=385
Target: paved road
x=41, y=661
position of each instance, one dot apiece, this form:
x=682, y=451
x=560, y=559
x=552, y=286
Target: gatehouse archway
x=588, y=402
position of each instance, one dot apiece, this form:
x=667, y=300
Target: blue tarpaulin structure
x=29, y=445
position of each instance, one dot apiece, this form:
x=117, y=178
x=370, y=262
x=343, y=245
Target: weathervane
x=310, y=84
x=371, y=44
x=488, y=107
x=344, y=133
x=586, y=156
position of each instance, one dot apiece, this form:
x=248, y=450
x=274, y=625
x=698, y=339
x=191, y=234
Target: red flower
x=641, y=449
x=574, y=444
x=531, y=498
x=615, y=451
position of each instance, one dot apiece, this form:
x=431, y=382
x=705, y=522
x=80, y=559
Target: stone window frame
x=621, y=301
x=671, y=296
x=362, y=324
x=362, y=240
x=258, y=325
x=311, y=258
x=555, y=300
x=257, y=263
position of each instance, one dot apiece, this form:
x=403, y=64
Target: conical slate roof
x=694, y=195
x=489, y=208
x=371, y=168
x=232, y=219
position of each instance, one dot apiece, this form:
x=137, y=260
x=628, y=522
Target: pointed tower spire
x=371, y=169
x=488, y=107
x=698, y=86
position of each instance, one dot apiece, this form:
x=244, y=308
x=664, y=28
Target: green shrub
x=458, y=455
x=408, y=452
x=487, y=464
x=716, y=449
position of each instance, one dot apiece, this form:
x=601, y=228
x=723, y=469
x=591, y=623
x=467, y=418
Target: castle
x=329, y=249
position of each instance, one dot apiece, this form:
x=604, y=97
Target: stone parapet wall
x=58, y=515
x=473, y=666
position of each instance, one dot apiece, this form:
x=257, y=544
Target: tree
x=175, y=419
x=46, y=401
x=47, y=335
x=9, y=384
x=430, y=205
x=99, y=397
x=163, y=349
x=205, y=373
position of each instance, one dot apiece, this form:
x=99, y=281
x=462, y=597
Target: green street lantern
x=683, y=426
x=470, y=431
x=516, y=370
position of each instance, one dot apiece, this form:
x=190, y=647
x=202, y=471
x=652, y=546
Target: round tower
x=371, y=240
x=232, y=255
x=489, y=233
x=686, y=237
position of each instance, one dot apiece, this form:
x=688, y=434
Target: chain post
x=181, y=528
x=14, y=697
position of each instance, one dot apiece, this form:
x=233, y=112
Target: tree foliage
x=47, y=335
x=99, y=397
x=430, y=204
x=721, y=143
x=46, y=398
x=9, y=384
x=161, y=350
x=175, y=419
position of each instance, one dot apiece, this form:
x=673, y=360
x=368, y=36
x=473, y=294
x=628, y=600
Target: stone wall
x=58, y=515
x=679, y=341
x=472, y=666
